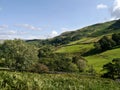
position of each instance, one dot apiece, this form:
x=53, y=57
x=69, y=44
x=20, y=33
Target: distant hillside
x=87, y=37
x=89, y=31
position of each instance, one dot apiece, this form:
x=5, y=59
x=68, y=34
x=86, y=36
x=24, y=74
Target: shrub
x=40, y=68
x=112, y=69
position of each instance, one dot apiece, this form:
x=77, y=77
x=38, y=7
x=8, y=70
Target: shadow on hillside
x=95, y=51
x=92, y=52
x=116, y=47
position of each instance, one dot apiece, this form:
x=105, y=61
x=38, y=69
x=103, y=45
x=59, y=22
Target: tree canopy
x=18, y=54
x=112, y=69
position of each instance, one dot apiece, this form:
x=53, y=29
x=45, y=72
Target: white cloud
x=102, y=6
x=115, y=10
x=65, y=30
x=53, y=33
x=12, y=32
x=30, y=37
x=6, y=32
x=28, y=26
x=2, y=37
x=3, y=26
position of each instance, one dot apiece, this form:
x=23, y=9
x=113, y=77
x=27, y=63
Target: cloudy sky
x=34, y=19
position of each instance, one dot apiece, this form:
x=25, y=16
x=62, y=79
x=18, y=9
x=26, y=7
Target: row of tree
x=21, y=56
x=106, y=43
x=60, y=62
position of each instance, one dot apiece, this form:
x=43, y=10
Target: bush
x=106, y=43
x=80, y=62
x=112, y=69
x=116, y=38
x=40, y=68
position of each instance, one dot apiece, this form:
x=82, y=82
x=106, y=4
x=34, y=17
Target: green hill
x=82, y=41
x=68, y=62
x=98, y=60
x=85, y=44
x=95, y=30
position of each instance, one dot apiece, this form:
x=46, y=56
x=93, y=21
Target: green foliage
x=100, y=59
x=18, y=54
x=106, y=43
x=64, y=64
x=30, y=81
x=45, y=51
x=116, y=38
x=112, y=69
x=91, y=70
x=40, y=68
x=97, y=46
x=59, y=61
x=80, y=62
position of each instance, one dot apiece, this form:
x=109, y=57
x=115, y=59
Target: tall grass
x=30, y=81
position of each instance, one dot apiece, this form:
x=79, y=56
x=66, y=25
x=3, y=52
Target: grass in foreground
x=30, y=81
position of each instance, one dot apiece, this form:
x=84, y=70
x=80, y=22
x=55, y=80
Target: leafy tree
x=116, y=38
x=45, y=51
x=91, y=70
x=80, y=62
x=106, y=43
x=112, y=69
x=60, y=62
x=64, y=63
x=97, y=46
x=18, y=54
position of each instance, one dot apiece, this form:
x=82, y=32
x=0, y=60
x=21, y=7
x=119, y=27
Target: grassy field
x=85, y=40
x=75, y=48
x=30, y=81
x=99, y=60
x=84, y=45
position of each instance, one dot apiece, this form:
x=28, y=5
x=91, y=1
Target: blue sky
x=35, y=19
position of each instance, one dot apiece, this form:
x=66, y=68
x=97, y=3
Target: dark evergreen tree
x=116, y=38
x=106, y=43
x=112, y=69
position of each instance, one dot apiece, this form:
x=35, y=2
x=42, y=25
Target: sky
x=41, y=19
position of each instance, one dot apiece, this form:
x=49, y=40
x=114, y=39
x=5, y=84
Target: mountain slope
x=90, y=31
x=95, y=30
x=98, y=60
x=86, y=43
x=82, y=40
